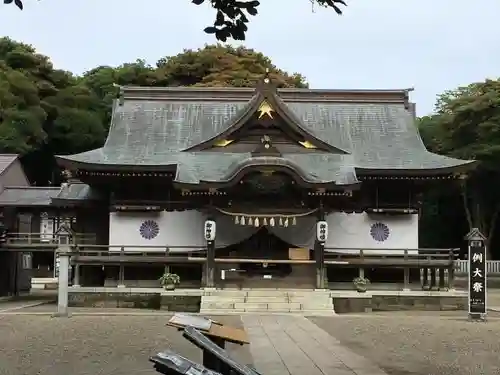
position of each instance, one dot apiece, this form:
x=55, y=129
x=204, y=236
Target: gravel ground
x=92, y=345
x=421, y=343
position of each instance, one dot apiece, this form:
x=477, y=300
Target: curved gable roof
x=151, y=132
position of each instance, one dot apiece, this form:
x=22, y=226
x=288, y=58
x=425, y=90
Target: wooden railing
x=386, y=257
x=86, y=251
x=117, y=254
x=41, y=241
x=492, y=267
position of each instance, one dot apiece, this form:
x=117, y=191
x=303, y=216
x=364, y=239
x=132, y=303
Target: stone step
x=317, y=306
x=302, y=312
x=271, y=301
x=285, y=306
x=265, y=299
x=318, y=312
x=311, y=300
x=268, y=293
x=256, y=306
x=221, y=311
x=224, y=298
x=265, y=306
x=216, y=305
x=225, y=293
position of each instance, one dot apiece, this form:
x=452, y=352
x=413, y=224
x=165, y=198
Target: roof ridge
x=32, y=187
x=245, y=93
x=126, y=89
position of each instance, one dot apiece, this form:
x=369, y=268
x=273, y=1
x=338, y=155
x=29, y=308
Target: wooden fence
x=462, y=267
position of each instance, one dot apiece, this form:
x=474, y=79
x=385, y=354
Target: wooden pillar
x=451, y=277
x=76, y=276
x=319, y=255
x=451, y=271
x=121, y=276
x=406, y=279
x=441, y=285
x=361, y=273
x=433, y=278
x=406, y=273
x=210, y=265
x=210, y=233
x=425, y=278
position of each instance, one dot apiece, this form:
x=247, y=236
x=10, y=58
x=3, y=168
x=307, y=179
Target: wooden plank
x=134, y=259
x=249, y=260
x=198, y=322
x=219, y=331
x=390, y=262
x=298, y=253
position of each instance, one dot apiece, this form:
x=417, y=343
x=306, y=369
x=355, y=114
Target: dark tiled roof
x=6, y=160
x=154, y=132
x=28, y=196
x=76, y=192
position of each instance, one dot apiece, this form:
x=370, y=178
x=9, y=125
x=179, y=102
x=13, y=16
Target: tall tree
x=43, y=110
x=46, y=111
x=232, y=15
x=213, y=65
x=467, y=125
x=217, y=65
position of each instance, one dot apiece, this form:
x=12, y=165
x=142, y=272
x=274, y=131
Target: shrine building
x=265, y=164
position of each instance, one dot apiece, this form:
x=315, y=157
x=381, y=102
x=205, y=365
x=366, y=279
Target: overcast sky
x=431, y=45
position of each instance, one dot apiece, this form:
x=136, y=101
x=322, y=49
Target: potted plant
x=361, y=284
x=169, y=280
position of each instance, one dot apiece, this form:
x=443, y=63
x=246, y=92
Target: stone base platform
x=254, y=300
x=354, y=302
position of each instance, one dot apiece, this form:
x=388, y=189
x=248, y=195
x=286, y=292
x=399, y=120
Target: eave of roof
x=76, y=193
x=148, y=135
x=76, y=162
x=28, y=196
x=6, y=161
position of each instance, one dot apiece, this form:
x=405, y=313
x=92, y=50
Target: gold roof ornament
x=223, y=142
x=265, y=109
x=307, y=144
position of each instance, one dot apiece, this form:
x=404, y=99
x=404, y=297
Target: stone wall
x=154, y=301
x=398, y=303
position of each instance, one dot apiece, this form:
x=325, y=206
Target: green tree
x=222, y=66
x=232, y=15
x=211, y=66
x=466, y=125
x=44, y=110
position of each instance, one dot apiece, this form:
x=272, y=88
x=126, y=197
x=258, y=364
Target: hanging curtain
x=229, y=233
x=303, y=234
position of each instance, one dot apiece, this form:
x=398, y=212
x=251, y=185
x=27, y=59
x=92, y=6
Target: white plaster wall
x=352, y=231
x=182, y=228
x=347, y=232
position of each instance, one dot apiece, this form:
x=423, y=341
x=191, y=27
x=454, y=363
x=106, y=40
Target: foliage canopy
x=231, y=19
x=466, y=125
x=46, y=111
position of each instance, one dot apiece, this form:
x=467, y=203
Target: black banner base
x=477, y=317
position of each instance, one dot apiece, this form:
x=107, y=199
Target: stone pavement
x=8, y=305
x=493, y=300
x=285, y=344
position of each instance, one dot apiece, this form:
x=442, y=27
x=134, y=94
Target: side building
x=266, y=165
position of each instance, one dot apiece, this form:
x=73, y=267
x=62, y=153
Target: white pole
x=62, y=288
